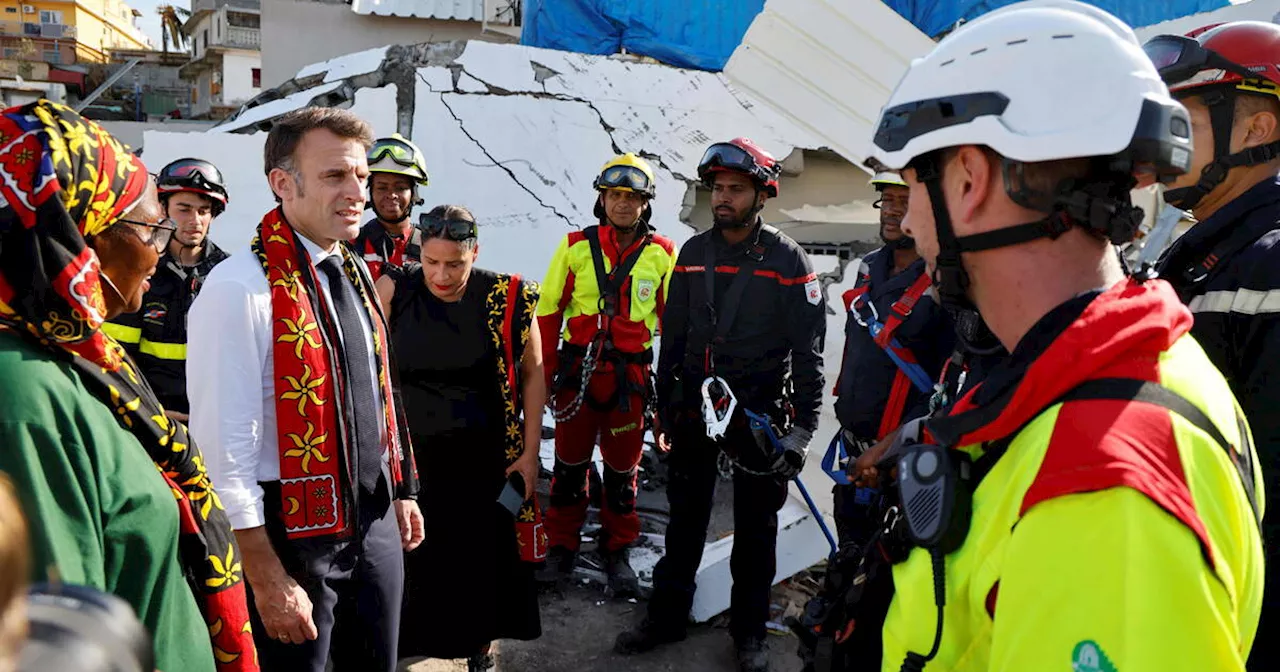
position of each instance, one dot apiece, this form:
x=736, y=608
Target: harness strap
x=722, y=323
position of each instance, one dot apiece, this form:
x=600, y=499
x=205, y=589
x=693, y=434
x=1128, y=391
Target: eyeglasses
x=1178, y=58
x=156, y=235
x=456, y=230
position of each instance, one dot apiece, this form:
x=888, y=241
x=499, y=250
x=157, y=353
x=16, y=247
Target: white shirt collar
x=314, y=251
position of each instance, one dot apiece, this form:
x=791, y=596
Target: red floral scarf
x=63, y=179
x=312, y=431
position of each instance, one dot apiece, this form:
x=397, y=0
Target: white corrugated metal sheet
x=827, y=65
x=461, y=10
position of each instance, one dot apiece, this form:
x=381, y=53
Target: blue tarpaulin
x=933, y=17
x=702, y=34
x=697, y=34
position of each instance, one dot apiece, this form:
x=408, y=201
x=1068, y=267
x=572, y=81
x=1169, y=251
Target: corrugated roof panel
x=827, y=65
x=461, y=10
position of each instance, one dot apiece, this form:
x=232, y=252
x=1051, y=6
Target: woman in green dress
x=115, y=494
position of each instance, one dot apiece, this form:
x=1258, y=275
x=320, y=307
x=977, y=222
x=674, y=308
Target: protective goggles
x=456, y=230
x=190, y=170
x=718, y=405
x=732, y=157
x=400, y=153
x=624, y=177
x=1179, y=58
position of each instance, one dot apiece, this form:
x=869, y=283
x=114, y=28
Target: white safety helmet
x=887, y=178
x=1036, y=81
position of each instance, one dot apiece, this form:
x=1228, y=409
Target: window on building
x=50, y=16
x=204, y=38
x=10, y=10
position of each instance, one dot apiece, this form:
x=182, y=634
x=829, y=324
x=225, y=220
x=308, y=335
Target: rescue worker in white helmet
x=897, y=339
x=603, y=295
x=396, y=170
x=1095, y=501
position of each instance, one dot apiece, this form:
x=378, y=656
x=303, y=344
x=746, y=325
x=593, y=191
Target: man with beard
x=193, y=194
x=896, y=340
x=744, y=325
x=607, y=286
x=396, y=169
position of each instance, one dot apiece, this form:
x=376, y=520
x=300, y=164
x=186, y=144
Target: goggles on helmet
x=731, y=157
x=195, y=170
x=1178, y=58
x=399, y=152
x=456, y=230
x=624, y=177
x=718, y=405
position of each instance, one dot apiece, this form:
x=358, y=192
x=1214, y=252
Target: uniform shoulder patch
x=813, y=291
x=1088, y=657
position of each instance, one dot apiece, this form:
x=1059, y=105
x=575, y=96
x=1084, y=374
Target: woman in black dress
x=470, y=370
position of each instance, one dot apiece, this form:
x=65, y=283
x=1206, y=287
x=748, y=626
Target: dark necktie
x=368, y=434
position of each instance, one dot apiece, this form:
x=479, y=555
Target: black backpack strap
x=1132, y=389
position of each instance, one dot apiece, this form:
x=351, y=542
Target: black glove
x=795, y=447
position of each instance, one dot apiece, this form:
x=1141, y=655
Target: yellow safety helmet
x=399, y=156
x=628, y=172
x=887, y=178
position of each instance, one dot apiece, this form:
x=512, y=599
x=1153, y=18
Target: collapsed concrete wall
x=517, y=134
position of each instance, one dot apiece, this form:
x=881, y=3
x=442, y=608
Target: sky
x=150, y=21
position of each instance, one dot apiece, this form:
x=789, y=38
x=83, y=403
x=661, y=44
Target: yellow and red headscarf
x=63, y=180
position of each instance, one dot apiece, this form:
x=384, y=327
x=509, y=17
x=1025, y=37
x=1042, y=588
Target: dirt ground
x=578, y=628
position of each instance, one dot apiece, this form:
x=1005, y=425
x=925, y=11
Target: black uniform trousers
x=691, y=487
x=355, y=586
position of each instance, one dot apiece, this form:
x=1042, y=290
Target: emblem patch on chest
x=1088, y=657
x=644, y=290
x=813, y=291
x=155, y=312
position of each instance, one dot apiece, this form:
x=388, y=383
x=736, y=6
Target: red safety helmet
x=741, y=155
x=1218, y=63
x=1227, y=53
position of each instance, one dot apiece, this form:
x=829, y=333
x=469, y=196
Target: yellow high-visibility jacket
x=571, y=295
x=1112, y=535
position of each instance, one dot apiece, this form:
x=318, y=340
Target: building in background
x=65, y=32
x=293, y=26
x=225, y=64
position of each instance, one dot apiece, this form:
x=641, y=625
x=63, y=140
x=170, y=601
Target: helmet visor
x=1178, y=58
x=625, y=177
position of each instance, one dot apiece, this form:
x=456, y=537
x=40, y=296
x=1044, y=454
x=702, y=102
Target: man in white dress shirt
x=291, y=402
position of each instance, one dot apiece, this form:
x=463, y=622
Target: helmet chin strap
x=1222, y=109
x=1095, y=207
x=904, y=242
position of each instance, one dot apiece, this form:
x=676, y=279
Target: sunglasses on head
x=453, y=229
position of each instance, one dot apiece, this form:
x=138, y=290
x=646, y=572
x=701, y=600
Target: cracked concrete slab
x=517, y=134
